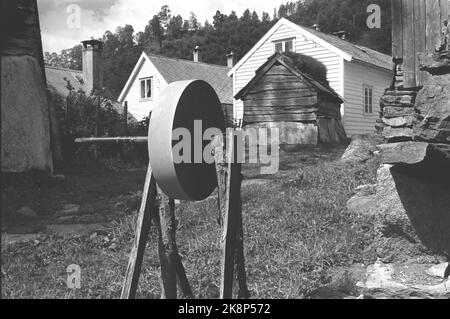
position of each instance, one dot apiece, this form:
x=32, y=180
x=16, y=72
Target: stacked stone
x=398, y=81
x=414, y=181
x=397, y=115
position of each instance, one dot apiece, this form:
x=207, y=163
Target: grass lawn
x=296, y=229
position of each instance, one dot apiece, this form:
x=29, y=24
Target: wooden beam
x=102, y=140
x=266, y=86
x=433, y=24
x=167, y=249
x=419, y=33
x=397, y=29
x=241, y=274
x=409, y=49
x=277, y=94
x=146, y=212
x=228, y=238
x=288, y=109
x=298, y=102
x=280, y=118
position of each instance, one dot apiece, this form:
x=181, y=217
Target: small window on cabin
x=368, y=99
x=284, y=46
x=146, y=88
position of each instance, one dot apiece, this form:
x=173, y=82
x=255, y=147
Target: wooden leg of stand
x=167, y=248
x=169, y=260
x=241, y=275
x=146, y=212
x=228, y=239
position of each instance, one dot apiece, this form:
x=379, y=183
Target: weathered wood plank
x=228, y=238
x=222, y=179
x=397, y=29
x=276, y=94
x=167, y=247
x=264, y=86
x=285, y=116
x=419, y=34
x=304, y=109
x=299, y=102
x=279, y=78
x=241, y=275
x=409, y=59
x=433, y=24
x=280, y=118
x=146, y=213
x=278, y=111
x=278, y=70
x=102, y=140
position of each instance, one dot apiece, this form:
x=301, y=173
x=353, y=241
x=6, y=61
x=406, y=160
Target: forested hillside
x=175, y=36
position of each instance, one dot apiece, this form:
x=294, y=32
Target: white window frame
x=145, y=98
x=283, y=43
x=368, y=108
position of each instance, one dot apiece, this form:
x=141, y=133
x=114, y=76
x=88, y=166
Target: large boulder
x=362, y=148
x=432, y=104
x=413, y=211
x=409, y=281
x=433, y=111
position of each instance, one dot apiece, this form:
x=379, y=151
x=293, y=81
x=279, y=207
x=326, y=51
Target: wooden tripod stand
x=158, y=207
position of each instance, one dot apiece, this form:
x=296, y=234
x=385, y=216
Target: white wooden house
x=359, y=74
x=153, y=73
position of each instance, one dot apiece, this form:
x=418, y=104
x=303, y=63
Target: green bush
x=81, y=115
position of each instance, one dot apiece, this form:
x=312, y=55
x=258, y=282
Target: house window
x=368, y=99
x=146, y=88
x=284, y=45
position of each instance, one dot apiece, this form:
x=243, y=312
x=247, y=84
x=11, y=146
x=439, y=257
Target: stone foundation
x=413, y=184
x=296, y=135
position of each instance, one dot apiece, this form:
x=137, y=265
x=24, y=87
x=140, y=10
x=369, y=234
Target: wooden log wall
x=416, y=27
x=280, y=96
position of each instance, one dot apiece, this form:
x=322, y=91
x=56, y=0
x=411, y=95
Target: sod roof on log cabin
x=179, y=70
x=307, y=69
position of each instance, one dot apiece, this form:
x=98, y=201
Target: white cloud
x=101, y=15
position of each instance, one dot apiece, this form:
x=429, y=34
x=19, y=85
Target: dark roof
x=178, y=70
x=56, y=77
x=279, y=58
x=358, y=52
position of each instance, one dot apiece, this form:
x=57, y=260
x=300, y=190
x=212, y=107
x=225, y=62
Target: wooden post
x=172, y=270
x=169, y=261
x=167, y=249
x=232, y=235
x=146, y=212
x=241, y=274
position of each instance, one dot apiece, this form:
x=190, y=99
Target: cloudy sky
x=61, y=30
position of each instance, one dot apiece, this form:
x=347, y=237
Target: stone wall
x=413, y=183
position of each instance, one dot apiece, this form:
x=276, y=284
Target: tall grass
x=296, y=230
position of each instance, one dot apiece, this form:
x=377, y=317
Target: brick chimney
x=92, y=65
x=232, y=59
x=196, y=54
